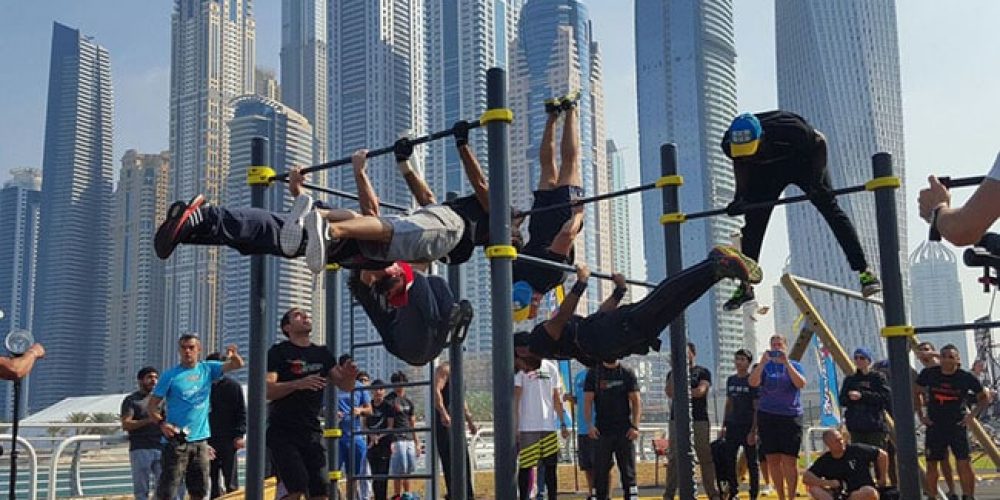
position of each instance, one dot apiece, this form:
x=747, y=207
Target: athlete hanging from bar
x=771, y=150
x=449, y=231
x=617, y=332
x=552, y=232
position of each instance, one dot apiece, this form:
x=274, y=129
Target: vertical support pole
x=456, y=398
x=332, y=310
x=505, y=457
x=256, y=404
x=895, y=315
x=680, y=408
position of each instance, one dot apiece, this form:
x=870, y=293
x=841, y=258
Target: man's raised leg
x=569, y=165
x=548, y=175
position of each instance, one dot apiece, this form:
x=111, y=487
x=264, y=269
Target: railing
x=32, y=464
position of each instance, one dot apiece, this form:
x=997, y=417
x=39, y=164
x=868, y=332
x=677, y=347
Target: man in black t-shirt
x=770, y=151
x=844, y=472
x=864, y=395
x=945, y=390
x=611, y=395
x=701, y=381
x=616, y=332
x=552, y=232
x=379, y=445
x=739, y=425
x=405, y=443
x=297, y=373
x=143, y=435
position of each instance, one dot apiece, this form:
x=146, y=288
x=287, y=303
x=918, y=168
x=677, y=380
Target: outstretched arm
x=554, y=327
x=418, y=187
x=964, y=225
x=473, y=171
x=367, y=199
x=16, y=368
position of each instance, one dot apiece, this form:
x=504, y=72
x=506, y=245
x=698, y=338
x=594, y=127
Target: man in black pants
x=297, y=373
x=865, y=397
x=442, y=424
x=616, y=332
x=551, y=232
x=379, y=445
x=228, y=421
x=770, y=151
x=739, y=425
x=614, y=391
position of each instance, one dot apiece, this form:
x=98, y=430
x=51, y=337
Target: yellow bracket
x=497, y=115
x=898, y=331
x=501, y=252
x=332, y=433
x=260, y=176
x=670, y=180
x=333, y=266
x=890, y=181
x=335, y=475
x=674, y=218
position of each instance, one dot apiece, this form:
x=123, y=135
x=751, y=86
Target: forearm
x=636, y=412
x=279, y=390
x=965, y=225
x=367, y=199
x=797, y=379
x=235, y=362
x=418, y=187
x=755, y=375
x=810, y=479
x=130, y=424
x=611, y=303
x=883, y=467
x=474, y=172
x=19, y=367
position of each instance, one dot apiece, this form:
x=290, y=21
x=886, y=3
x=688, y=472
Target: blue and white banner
x=829, y=406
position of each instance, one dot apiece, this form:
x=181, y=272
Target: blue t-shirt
x=187, y=393
x=778, y=395
x=348, y=422
x=581, y=423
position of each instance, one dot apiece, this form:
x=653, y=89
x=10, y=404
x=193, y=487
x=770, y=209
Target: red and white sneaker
x=181, y=219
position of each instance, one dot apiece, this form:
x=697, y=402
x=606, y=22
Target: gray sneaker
x=317, y=238
x=291, y=232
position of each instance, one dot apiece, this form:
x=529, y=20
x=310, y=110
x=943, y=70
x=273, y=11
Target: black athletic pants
x=444, y=453
x=551, y=481
x=766, y=182
x=623, y=449
x=223, y=467
x=736, y=437
x=378, y=459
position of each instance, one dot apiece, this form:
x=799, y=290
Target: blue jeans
x=145, y=471
x=360, y=453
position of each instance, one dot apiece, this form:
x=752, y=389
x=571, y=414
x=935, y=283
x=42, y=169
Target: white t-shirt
x=995, y=171
x=536, y=411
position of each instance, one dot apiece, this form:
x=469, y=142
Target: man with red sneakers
x=591, y=339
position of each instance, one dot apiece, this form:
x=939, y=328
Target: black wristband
x=578, y=288
x=619, y=293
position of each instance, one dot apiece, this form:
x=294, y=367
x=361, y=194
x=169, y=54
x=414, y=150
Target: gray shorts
x=426, y=235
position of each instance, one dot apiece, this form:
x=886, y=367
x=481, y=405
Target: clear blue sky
x=949, y=55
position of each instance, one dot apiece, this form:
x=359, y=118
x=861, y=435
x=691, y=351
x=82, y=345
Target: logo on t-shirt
x=611, y=384
x=300, y=367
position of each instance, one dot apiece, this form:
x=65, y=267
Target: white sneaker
x=316, y=240
x=291, y=231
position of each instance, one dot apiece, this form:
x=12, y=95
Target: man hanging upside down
x=617, y=332
x=450, y=230
x=770, y=151
x=551, y=232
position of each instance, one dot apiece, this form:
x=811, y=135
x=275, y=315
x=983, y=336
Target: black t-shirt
x=854, y=468
x=300, y=409
x=947, y=394
x=401, y=411
x=379, y=419
x=146, y=437
x=611, y=388
x=741, y=397
x=787, y=137
x=699, y=406
x=477, y=228
x=542, y=345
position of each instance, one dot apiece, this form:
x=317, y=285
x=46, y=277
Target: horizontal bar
x=571, y=269
x=419, y=383
x=819, y=285
x=589, y=199
x=766, y=204
x=961, y=181
x=362, y=345
x=391, y=431
x=345, y=194
x=372, y=153
x=385, y=477
x=956, y=327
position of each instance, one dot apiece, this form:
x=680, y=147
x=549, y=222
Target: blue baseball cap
x=521, y=294
x=863, y=352
x=744, y=135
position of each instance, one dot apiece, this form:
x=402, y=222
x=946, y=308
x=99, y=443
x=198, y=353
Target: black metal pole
x=505, y=451
x=895, y=315
x=256, y=404
x=15, y=424
x=456, y=399
x=332, y=318
x=680, y=409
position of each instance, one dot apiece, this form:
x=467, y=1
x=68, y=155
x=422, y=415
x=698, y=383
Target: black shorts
x=779, y=434
x=585, y=452
x=300, y=460
x=941, y=437
x=543, y=228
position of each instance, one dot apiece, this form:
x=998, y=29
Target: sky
x=949, y=71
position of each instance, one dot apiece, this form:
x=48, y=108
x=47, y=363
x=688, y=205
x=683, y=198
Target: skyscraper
x=135, y=308
x=377, y=92
x=464, y=39
x=265, y=84
x=556, y=53
x=303, y=66
x=938, y=299
x=621, y=233
x=838, y=66
x=686, y=79
x=212, y=62
x=71, y=293
x=20, y=201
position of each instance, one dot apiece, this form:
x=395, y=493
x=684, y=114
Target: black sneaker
x=731, y=263
x=570, y=100
x=742, y=295
x=181, y=219
x=553, y=106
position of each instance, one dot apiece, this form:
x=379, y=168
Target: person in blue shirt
x=186, y=389
x=352, y=407
x=584, y=444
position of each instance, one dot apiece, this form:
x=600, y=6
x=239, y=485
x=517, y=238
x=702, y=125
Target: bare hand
x=445, y=420
x=239, y=443
x=632, y=434
x=168, y=430
x=231, y=350
x=37, y=350
x=356, y=411
x=569, y=398
x=752, y=439
x=619, y=280
x=360, y=160
x=565, y=433
x=211, y=453
x=582, y=273
x=310, y=383
x=853, y=395
x=594, y=433
x=926, y=421
x=295, y=180
x=472, y=426
x=931, y=197
x=833, y=484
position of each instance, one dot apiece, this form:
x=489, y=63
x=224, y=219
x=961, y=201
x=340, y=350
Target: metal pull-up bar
x=537, y=261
